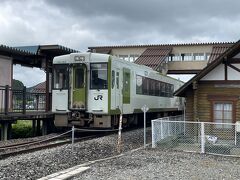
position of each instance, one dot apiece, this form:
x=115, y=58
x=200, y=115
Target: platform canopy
x=38, y=54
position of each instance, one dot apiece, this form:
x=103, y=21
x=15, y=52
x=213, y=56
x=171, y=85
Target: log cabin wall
x=189, y=106
x=207, y=93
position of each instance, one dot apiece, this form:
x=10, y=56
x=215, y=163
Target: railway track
x=26, y=147
x=58, y=140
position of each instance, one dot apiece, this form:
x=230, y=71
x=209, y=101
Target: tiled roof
x=8, y=49
x=57, y=47
x=153, y=57
x=32, y=49
x=160, y=45
x=218, y=50
x=39, y=88
x=36, y=49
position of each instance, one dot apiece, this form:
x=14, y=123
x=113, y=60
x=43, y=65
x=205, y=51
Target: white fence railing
x=202, y=137
x=161, y=130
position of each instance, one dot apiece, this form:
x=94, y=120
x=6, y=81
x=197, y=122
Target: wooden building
x=213, y=95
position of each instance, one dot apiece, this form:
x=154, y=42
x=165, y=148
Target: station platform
x=65, y=174
x=6, y=121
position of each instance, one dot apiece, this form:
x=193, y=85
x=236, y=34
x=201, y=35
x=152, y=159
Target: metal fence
x=201, y=137
x=20, y=101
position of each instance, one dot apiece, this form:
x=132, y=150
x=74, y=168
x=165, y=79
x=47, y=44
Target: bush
x=22, y=129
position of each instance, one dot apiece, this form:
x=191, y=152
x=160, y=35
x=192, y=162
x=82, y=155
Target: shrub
x=22, y=129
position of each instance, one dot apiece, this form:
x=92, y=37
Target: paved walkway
x=65, y=174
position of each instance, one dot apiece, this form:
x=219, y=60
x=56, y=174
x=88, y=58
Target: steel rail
x=43, y=146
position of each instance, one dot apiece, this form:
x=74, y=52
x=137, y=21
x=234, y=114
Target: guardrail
x=20, y=101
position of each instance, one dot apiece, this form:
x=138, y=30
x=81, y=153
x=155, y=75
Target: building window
x=186, y=57
x=124, y=57
x=176, y=57
x=207, y=56
x=198, y=56
x=223, y=113
x=189, y=57
x=170, y=57
x=133, y=57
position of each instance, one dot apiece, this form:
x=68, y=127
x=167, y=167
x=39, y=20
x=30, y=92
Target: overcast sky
x=79, y=24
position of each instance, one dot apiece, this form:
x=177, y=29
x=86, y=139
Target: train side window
x=113, y=78
x=162, y=89
x=145, y=86
x=139, y=85
x=152, y=87
x=157, y=88
x=167, y=90
x=117, y=80
x=172, y=90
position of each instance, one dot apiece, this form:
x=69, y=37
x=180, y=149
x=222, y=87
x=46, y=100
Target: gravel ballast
x=159, y=164
x=42, y=163
x=139, y=164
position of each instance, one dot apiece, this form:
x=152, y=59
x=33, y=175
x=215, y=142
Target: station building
x=213, y=95
x=168, y=58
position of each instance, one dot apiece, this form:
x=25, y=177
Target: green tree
x=17, y=85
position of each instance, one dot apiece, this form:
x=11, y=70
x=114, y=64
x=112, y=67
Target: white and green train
x=92, y=90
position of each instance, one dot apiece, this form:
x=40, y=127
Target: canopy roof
x=34, y=56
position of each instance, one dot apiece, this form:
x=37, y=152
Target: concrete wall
x=128, y=51
x=192, y=49
x=186, y=65
x=6, y=71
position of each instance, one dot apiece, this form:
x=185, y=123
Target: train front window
x=60, y=75
x=99, y=76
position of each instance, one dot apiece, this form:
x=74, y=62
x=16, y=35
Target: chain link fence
x=201, y=137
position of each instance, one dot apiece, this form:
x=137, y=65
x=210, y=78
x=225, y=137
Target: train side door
x=79, y=87
x=126, y=86
x=113, y=89
x=118, y=90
